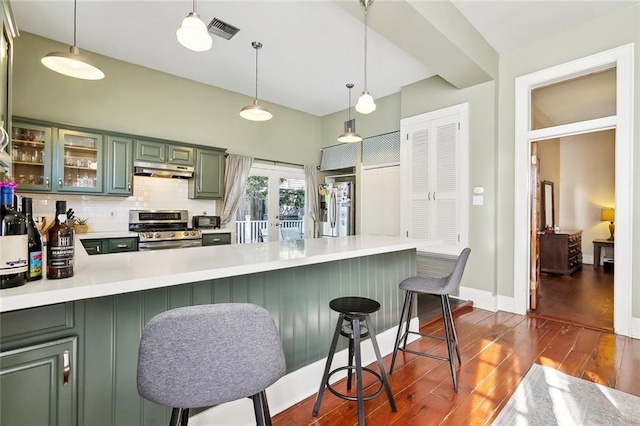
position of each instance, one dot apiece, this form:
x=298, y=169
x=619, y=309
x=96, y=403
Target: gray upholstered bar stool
x=199, y=356
x=353, y=311
x=442, y=287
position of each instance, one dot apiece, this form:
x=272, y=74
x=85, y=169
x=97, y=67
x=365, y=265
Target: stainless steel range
x=163, y=229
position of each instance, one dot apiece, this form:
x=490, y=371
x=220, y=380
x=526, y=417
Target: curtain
x=236, y=172
x=311, y=179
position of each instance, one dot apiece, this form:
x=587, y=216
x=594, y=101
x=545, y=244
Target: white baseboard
x=481, y=299
x=506, y=303
x=295, y=386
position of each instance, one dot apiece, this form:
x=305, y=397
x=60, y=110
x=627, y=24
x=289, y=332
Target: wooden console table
x=597, y=246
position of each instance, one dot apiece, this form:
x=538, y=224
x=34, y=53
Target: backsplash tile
x=111, y=214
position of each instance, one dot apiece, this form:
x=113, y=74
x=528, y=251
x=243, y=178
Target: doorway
x=622, y=59
x=577, y=178
x=273, y=206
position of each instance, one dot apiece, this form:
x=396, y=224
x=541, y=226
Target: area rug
x=548, y=397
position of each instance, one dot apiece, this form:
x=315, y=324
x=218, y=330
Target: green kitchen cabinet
x=32, y=156
x=159, y=152
x=38, y=384
x=217, y=239
x=119, y=166
x=80, y=162
x=208, y=179
x=110, y=245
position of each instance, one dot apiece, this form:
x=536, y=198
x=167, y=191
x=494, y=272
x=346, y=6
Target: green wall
x=607, y=32
x=141, y=101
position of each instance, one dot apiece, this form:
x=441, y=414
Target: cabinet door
x=150, y=151
x=38, y=384
x=182, y=155
x=119, y=166
x=120, y=245
x=92, y=247
x=79, y=162
x=208, y=181
x=31, y=152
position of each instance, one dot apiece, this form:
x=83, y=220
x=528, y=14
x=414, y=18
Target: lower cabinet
x=216, y=239
x=38, y=384
x=110, y=245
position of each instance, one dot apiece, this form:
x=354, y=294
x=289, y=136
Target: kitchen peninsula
x=96, y=317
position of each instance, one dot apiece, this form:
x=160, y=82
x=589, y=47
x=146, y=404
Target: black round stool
x=352, y=311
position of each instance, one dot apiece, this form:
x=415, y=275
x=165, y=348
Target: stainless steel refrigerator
x=337, y=208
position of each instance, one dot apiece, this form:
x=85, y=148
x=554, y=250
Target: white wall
x=587, y=183
x=111, y=214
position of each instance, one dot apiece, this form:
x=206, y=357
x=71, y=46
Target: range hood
x=142, y=168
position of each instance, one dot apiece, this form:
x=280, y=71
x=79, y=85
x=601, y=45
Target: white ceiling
x=312, y=48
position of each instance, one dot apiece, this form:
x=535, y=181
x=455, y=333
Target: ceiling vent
x=222, y=29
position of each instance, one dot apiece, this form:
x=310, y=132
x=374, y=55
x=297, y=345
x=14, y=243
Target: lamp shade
x=193, y=34
x=72, y=65
x=365, y=104
x=350, y=135
x=255, y=112
x=608, y=214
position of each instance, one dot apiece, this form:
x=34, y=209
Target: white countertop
x=117, y=273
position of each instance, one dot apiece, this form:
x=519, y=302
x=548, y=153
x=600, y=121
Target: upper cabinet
x=119, y=166
x=208, y=180
x=80, y=163
x=159, y=152
x=31, y=155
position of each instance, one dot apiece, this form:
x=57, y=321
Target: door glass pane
x=80, y=160
x=27, y=153
x=291, y=208
x=252, y=224
x=583, y=98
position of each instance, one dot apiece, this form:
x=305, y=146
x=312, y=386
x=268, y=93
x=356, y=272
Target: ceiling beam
x=435, y=33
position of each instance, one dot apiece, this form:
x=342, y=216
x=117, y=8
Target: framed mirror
x=547, y=207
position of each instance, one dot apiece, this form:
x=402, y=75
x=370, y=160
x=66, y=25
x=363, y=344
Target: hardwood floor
x=585, y=298
x=497, y=351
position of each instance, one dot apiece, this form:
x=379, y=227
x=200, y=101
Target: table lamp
x=608, y=214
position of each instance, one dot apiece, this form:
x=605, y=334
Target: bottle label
x=14, y=250
x=60, y=256
x=35, y=264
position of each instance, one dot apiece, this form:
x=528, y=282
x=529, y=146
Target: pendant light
x=255, y=112
x=349, y=134
x=365, y=103
x=72, y=64
x=193, y=33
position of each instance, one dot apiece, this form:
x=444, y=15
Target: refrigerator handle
x=333, y=207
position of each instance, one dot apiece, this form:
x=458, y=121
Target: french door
x=273, y=207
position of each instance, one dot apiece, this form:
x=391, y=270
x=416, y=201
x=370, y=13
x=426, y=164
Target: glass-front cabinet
x=79, y=162
x=31, y=149
x=59, y=160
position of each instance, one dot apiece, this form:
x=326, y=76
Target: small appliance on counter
x=206, y=222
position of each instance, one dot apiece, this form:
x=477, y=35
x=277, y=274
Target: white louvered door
x=431, y=175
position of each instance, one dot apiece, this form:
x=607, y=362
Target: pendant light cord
x=75, y=19
x=366, y=7
x=256, y=47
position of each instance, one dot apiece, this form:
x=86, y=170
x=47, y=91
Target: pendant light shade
x=256, y=112
x=193, y=33
x=72, y=64
x=349, y=135
x=365, y=103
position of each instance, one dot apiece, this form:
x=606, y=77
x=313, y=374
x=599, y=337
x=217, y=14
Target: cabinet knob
x=122, y=245
x=198, y=188
x=129, y=185
x=59, y=181
x=47, y=183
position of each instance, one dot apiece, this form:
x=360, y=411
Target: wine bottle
x=60, y=245
x=13, y=241
x=34, y=242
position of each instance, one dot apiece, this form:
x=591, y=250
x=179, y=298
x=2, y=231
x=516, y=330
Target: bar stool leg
x=412, y=298
x=385, y=379
x=453, y=327
x=355, y=327
x=350, y=362
x=399, y=335
x=449, y=341
x=325, y=376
